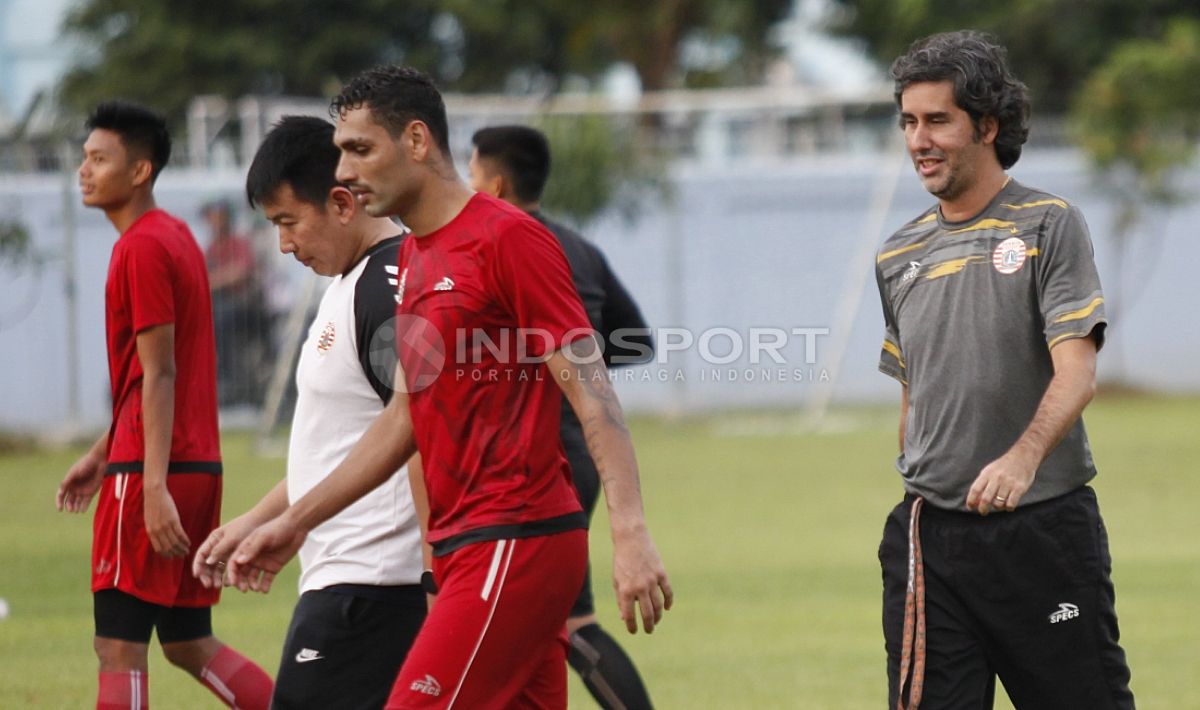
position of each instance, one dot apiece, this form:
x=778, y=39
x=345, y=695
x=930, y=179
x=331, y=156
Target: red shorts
x=124, y=559
x=495, y=638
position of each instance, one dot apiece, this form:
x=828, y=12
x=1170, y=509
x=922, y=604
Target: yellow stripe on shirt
x=1082, y=312
x=897, y=252
x=949, y=268
x=890, y=347
x=1039, y=203
x=989, y=223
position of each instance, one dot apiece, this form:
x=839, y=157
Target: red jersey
x=482, y=302
x=157, y=276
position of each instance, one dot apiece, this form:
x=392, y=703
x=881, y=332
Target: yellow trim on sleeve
x=1066, y=336
x=890, y=347
x=1082, y=312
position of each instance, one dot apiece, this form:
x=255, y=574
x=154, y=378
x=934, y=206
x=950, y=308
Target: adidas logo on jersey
x=1065, y=612
x=398, y=283
x=428, y=686
x=446, y=284
x=914, y=268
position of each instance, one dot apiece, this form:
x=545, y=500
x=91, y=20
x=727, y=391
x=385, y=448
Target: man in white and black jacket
x=361, y=602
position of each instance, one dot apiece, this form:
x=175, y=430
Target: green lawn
x=769, y=534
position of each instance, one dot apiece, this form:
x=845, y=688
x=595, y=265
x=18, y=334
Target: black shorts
x=587, y=484
x=345, y=646
x=1025, y=596
x=124, y=617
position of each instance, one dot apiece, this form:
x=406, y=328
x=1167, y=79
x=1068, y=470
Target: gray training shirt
x=972, y=310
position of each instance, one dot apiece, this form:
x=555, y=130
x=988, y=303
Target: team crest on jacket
x=325, y=342
x=1009, y=256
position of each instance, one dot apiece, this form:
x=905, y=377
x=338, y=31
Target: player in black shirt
x=513, y=163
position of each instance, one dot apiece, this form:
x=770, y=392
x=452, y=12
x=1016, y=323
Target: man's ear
x=143, y=172
x=497, y=186
x=418, y=140
x=343, y=204
x=989, y=128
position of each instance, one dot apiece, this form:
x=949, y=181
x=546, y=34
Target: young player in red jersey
x=158, y=468
x=492, y=334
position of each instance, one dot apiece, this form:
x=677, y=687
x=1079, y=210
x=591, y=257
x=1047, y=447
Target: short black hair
x=983, y=84
x=142, y=130
x=298, y=151
x=396, y=96
x=523, y=154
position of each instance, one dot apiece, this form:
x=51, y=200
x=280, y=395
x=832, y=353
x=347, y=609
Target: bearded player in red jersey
x=158, y=468
x=492, y=335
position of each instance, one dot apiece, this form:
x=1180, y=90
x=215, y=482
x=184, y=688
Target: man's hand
x=213, y=554
x=81, y=484
x=165, y=531
x=639, y=577
x=263, y=553
x=1002, y=482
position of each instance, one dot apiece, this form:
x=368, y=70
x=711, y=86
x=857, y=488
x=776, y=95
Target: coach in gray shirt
x=994, y=315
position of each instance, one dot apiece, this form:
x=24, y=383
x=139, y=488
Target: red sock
x=237, y=681
x=123, y=690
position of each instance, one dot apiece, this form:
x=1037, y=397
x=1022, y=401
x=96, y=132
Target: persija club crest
x=327, y=336
x=1009, y=256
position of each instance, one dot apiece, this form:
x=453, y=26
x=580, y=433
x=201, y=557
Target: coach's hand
x=162, y=524
x=81, y=484
x=263, y=553
x=213, y=554
x=1002, y=483
x=639, y=578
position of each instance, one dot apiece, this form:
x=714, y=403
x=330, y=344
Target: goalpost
x=859, y=270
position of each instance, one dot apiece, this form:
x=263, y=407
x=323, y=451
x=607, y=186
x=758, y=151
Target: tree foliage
x=165, y=53
x=15, y=244
x=1054, y=45
x=597, y=164
x=1139, y=113
x=1138, y=119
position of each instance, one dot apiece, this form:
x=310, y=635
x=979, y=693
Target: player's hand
x=163, y=528
x=213, y=554
x=263, y=553
x=1002, y=483
x=640, y=580
x=81, y=484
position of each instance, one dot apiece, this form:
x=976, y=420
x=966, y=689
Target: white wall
x=757, y=247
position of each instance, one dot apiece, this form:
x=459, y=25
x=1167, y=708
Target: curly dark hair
x=983, y=84
x=396, y=96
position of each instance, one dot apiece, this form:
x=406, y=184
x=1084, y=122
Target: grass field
x=769, y=535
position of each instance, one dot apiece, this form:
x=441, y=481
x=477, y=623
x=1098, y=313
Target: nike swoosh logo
x=307, y=655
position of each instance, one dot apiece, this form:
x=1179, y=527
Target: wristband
x=428, y=583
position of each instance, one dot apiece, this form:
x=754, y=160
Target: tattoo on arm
x=599, y=422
